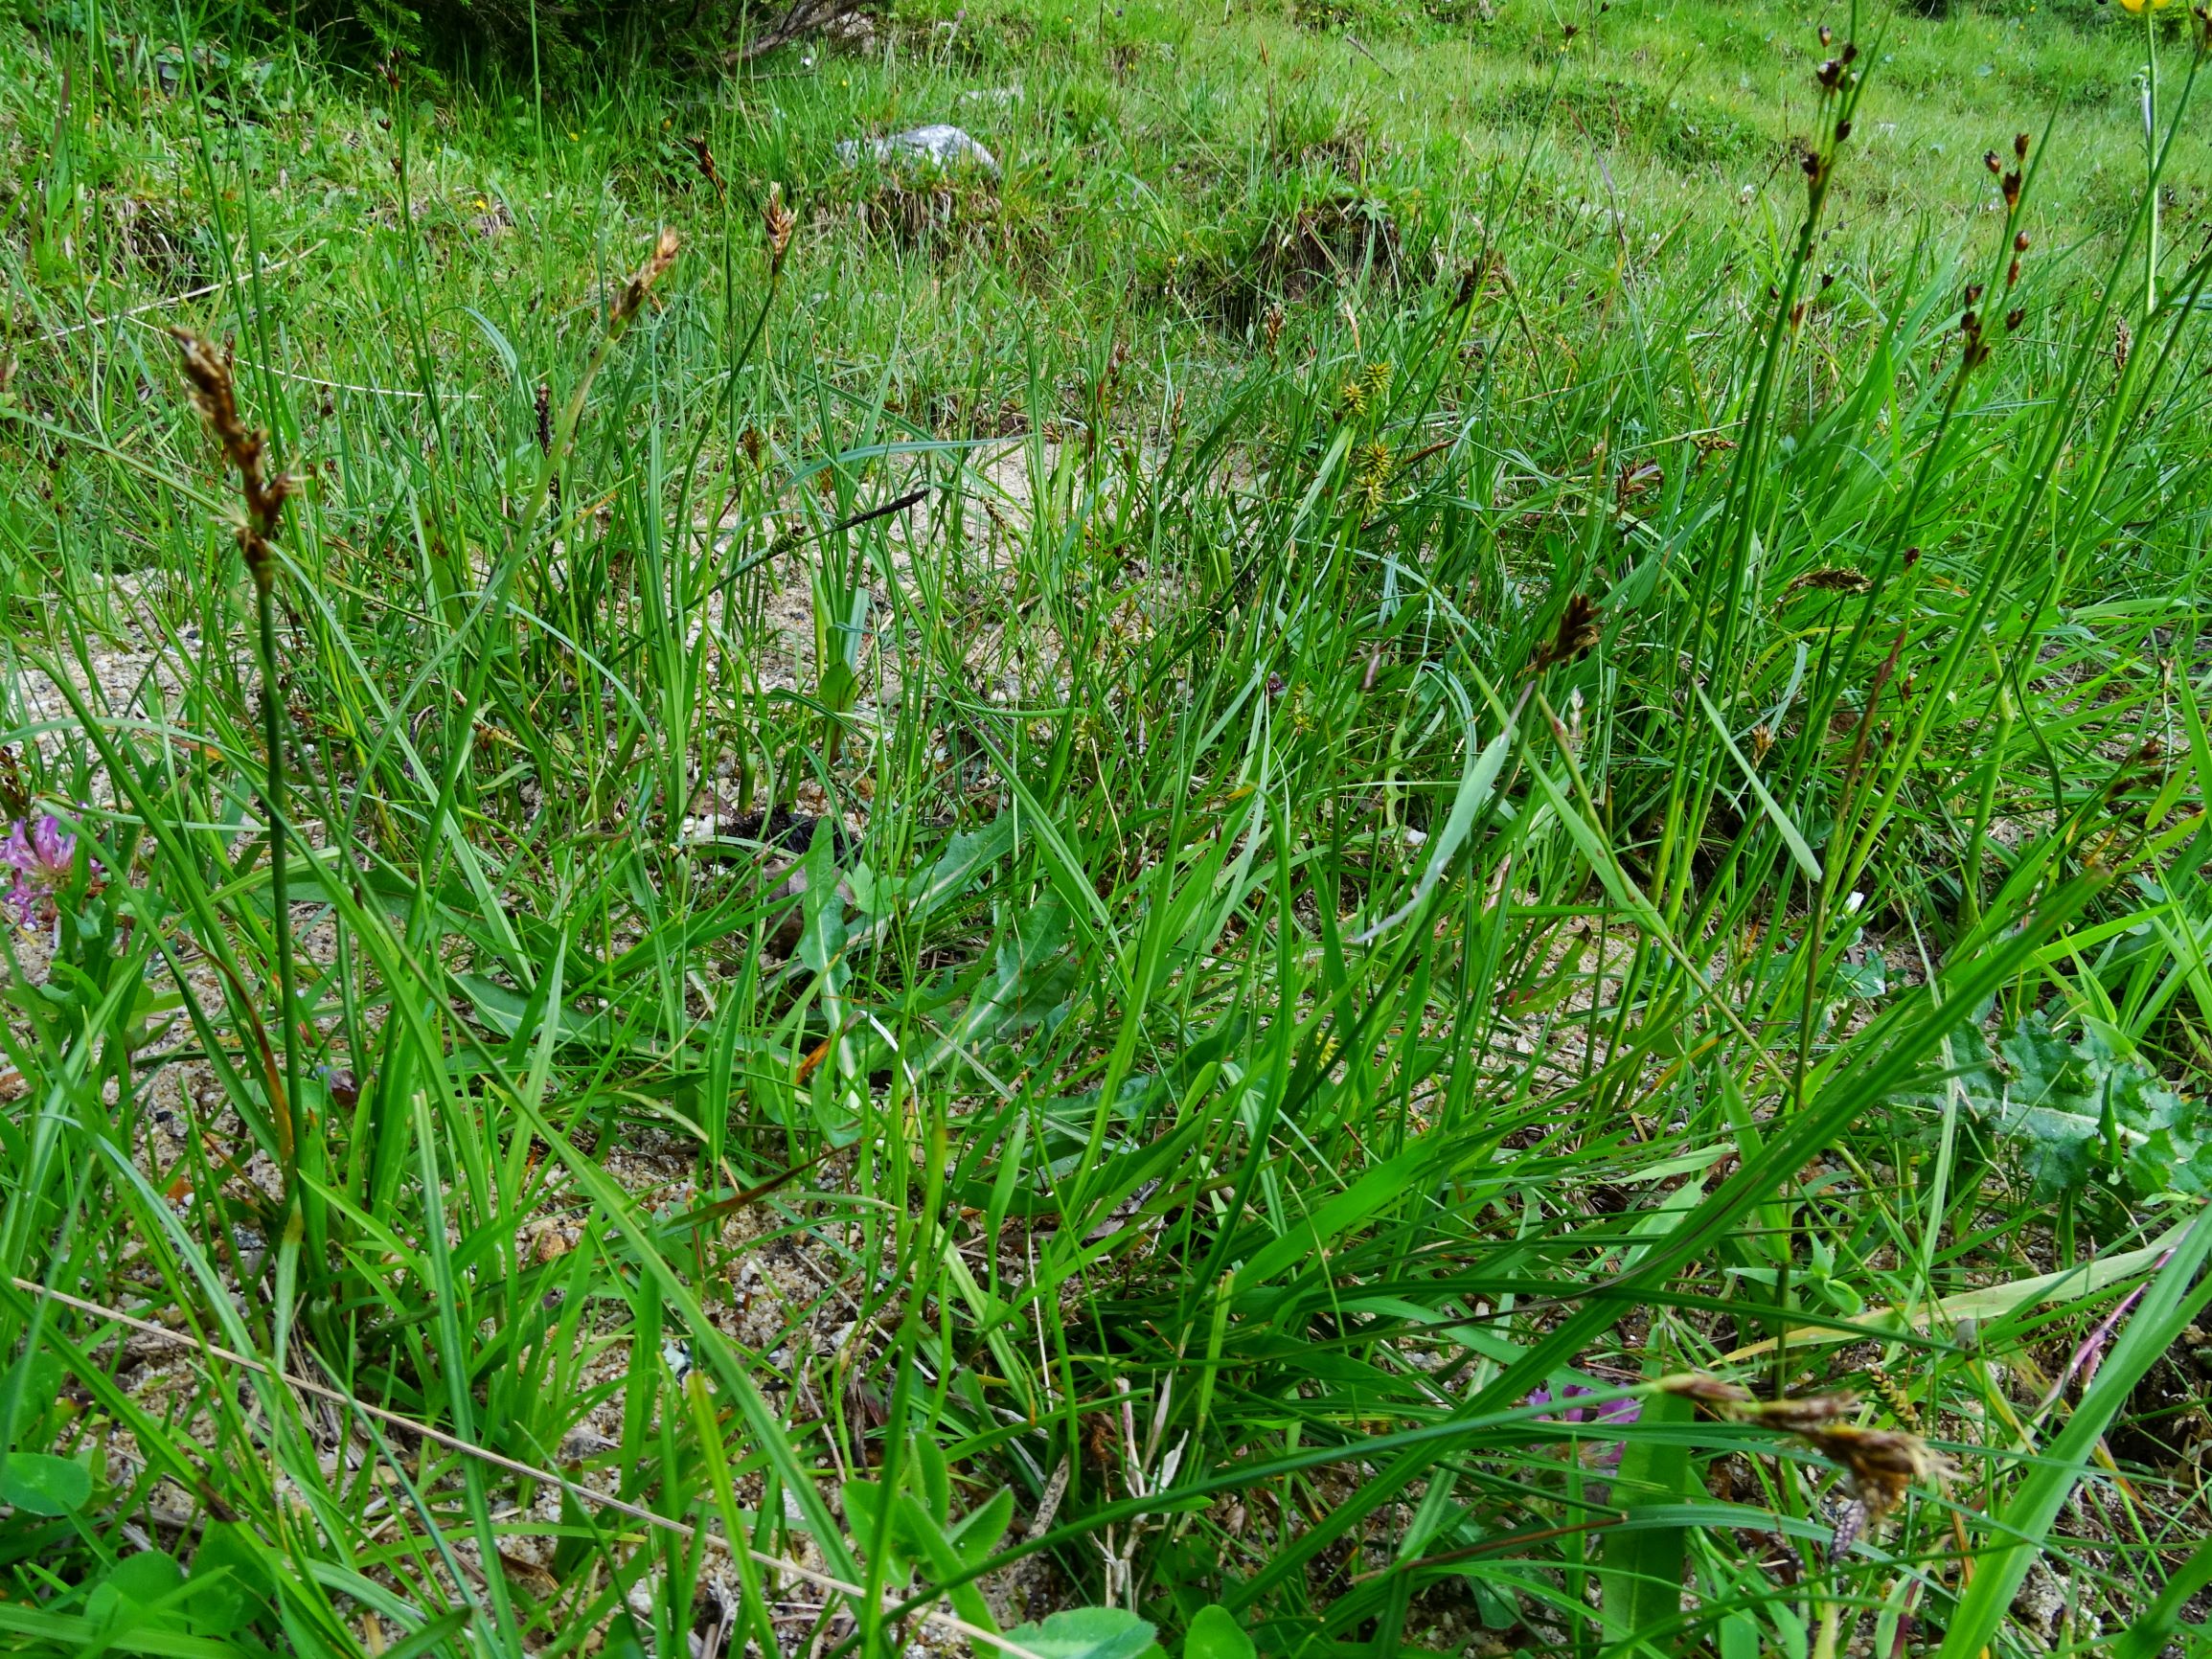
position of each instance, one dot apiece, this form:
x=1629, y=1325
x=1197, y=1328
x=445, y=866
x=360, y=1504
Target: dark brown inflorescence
x=639, y=288
x=776, y=223
x=1879, y=1464
x=1576, y=635
x=208, y=373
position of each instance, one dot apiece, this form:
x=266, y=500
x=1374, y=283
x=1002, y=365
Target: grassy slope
x=1137, y=736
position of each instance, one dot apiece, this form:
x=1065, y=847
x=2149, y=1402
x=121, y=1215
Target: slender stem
x=2151, y=158
x=279, y=887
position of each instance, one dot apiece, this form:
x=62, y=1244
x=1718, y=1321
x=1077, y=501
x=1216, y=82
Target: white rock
x=939, y=145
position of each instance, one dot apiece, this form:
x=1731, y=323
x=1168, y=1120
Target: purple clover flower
x=40, y=858
x=1599, y=1454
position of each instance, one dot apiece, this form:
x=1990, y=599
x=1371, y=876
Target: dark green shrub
x=561, y=38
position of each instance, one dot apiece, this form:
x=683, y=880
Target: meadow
x=1401, y=849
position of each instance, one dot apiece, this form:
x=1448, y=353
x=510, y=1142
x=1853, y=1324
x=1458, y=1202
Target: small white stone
x=939, y=144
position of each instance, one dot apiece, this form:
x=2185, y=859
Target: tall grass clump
x=1499, y=953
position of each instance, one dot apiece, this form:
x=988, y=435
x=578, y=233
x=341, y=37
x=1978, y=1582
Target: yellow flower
x=2138, y=5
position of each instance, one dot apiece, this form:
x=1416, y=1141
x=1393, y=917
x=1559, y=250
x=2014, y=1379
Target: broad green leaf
x=1216, y=1634
x=138, y=1592
x=874, y=1529
x=1085, y=1633
x=979, y=1530
x=2079, y=1114
x=43, y=1484
x=1641, y=1579
x=926, y=1537
x=505, y=1012
x=226, y=1547
x=146, y=1576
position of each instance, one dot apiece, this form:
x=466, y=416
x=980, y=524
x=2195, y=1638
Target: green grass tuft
x=1265, y=890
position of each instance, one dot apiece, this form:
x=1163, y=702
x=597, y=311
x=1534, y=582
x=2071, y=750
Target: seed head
x=1879, y=1464
x=1833, y=578
x=1801, y=1415
x=1850, y=1522
x=1576, y=635
x=1816, y=166
x=705, y=158
x=207, y=375
x=777, y=221
x=1375, y=469
x=1705, y=1388
x=1638, y=481
x=639, y=288
x=1893, y=1397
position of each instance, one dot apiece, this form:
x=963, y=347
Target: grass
x=1064, y=897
